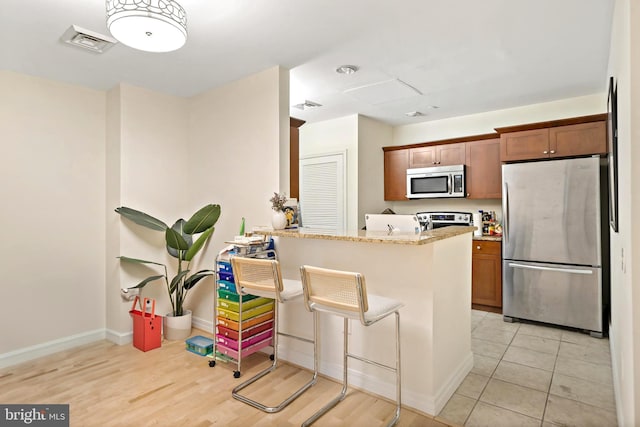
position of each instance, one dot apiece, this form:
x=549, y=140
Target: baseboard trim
x=119, y=337
x=205, y=325
x=33, y=352
x=449, y=388
x=615, y=368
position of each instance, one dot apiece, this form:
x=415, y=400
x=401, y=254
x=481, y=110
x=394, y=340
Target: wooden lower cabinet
x=486, y=273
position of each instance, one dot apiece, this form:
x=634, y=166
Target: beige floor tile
x=584, y=391
x=540, y=331
x=472, y=385
x=584, y=339
x=537, y=379
x=457, y=409
x=588, y=353
x=567, y=412
x=532, y=358
x=516, y=398
x=544, y=345
x=491, y=315
x=485, y=415
x=492, y=334
x=586, y=370
x=492, y=322
x=487, y=348
x=483, y=365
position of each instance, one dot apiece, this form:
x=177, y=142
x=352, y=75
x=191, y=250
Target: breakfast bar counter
x=430, y=273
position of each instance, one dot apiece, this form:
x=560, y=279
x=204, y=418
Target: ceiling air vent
x=86, y=39
x=306, y=105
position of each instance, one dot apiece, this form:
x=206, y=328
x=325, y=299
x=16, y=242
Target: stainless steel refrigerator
x=555, y=243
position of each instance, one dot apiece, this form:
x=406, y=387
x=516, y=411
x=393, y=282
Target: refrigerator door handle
x=561, y=270
x=505, y=226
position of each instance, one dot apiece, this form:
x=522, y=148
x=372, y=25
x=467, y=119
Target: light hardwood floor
x=110, y=385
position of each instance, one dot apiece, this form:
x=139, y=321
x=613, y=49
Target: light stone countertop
x=489, y=238
x=400, y=238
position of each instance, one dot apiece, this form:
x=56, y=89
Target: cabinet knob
x=478, y=247
x=468, y=194
x=545, y=152
x=553, y=151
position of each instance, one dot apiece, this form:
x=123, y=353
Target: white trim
x=33, y=352
x=119, y=337
x=422, y=402
x=205, y=325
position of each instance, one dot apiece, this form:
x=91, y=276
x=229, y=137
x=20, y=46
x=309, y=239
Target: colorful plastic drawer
x=246, y=333
x=224, y=267
x=232, y=296
x=199, y=345
x=229, y=352
x=246, y=342
x=227, y=286
x=246, y=314
x=226, y=276
x=232, y=324
x=246, y=304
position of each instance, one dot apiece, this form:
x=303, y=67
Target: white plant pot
x=278, y=220
x=177, y=327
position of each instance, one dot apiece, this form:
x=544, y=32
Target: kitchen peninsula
x=429, y=272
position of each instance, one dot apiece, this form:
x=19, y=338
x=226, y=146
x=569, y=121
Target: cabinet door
x=578, y=140
x=422, y=157
x=524, y=145
x=484, y=170
x=450, y=154
x=396, y=163
x=486, y=273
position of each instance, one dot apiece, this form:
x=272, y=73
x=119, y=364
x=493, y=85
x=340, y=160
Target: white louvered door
x=323, y=192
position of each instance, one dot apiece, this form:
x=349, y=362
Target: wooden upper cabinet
x=437, y=155
x=576, y=140
x=396, y=163
x=578, y=136
x=524, y=145
x=484, y=170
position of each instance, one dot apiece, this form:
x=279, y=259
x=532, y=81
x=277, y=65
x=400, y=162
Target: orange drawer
x=486, y=247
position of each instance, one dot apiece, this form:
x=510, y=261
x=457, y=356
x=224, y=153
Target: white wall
x=234, y=160
x=149, y=174
x=372, y=136
x=333, y=136
x=624, y=65
x=53, y=211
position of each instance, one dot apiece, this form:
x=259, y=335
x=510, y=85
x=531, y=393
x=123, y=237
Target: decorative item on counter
x=278, y=218
x=241, y=232
x=292, y=213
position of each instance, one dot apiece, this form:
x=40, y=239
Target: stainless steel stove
x=430, y=220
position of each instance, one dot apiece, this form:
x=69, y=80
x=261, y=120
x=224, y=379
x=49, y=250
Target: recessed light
x=347, y=69
x=306, y=105
x=414, y=114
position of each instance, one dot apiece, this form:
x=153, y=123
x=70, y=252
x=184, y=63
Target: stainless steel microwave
x=435, y=182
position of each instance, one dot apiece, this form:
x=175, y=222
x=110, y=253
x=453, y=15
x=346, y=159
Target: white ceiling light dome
x=149, y=25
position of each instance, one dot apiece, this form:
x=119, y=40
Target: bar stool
x=345, y=294
x=262, y=277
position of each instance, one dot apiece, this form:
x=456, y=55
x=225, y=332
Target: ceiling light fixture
x=347, y=69
x=306, y=105
x=414, y=114
x=149, y=25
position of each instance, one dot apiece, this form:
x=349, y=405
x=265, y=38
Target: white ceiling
x=464, y=56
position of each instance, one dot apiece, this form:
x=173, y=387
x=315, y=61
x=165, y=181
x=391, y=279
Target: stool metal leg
x=343, y=392
x=346, y=356
x=272, y=367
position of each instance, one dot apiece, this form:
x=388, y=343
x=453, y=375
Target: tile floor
x=530, y=375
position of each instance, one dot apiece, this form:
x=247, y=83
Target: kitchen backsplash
x=454, y=205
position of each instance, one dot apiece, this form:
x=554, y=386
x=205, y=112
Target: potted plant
x=278, y=218
x=181, y=245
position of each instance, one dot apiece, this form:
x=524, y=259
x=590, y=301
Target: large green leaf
x=147, y=280
x=142, y=218
x=197, y=245
x=139, y=261
x=175, y=240
x=191, y=281
x=176, y=281
x=203, y=219
x=179, y=228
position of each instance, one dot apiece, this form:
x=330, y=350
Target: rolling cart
x=243, y=324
